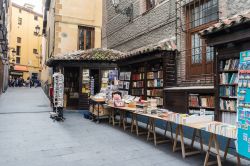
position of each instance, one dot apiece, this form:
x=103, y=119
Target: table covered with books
x=198, y=123
x=137, y=107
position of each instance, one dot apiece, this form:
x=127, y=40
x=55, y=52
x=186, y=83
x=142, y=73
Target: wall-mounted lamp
x=128, y=11
x=37, y=30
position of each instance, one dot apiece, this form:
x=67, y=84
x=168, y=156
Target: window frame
x=19, y=40
x=149, y=5
x=35, y=51
x=18, y=57
x=35, y=18
x=84, y=28
x=20, y=21
x=193, y=30
x=18, y=50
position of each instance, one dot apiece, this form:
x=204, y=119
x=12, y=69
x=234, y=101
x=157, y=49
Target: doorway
x=95, y=73
x=71, y=86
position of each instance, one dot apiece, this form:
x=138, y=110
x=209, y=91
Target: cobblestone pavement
x=28, y=137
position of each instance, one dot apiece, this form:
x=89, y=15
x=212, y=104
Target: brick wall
x=146, y=27
x=155, y=25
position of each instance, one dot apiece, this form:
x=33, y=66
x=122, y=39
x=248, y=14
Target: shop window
x=86, y=38
x=35, y=51
x=18, y=59
x=20, y=21
x=150, y=4
x=199, y=15
x=35, y=18
x=18, y=50
x=19, y=40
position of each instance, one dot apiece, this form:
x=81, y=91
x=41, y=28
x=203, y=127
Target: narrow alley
x=30, y=138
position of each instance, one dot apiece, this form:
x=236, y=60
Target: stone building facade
x=4, y=26
x=70, y=25
x=146, y=27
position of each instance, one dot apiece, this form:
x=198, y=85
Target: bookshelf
x=147, y=81
x=150, y=74
x=138, y=81
x=124, y=82
x=201, y=102
x=227, y=86
x=155, y=82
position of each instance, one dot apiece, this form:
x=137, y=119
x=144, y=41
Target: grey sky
x=36, y=3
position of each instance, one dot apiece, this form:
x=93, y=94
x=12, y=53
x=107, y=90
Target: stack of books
x=229, y=118
x=158, y=83
x=230, y=64
x=201, y=101
x=139, y=76
x=138, y=92
x=222, y=129
x=155, y=92
x=138, y=84
x=229, y=78
x=193, y=100
x=207, y=101
x=159, y=100
x=230, y=91
x=229, y=105
x=155, y=75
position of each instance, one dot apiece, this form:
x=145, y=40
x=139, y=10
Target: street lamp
x=128, y=11
x=12, y=58
x=36, y=33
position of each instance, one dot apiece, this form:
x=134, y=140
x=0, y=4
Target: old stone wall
x=147, y=27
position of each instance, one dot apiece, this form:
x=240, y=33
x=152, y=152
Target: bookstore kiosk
x=232, y=44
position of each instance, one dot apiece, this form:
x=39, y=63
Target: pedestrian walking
x=31, y=83
x=28, y=82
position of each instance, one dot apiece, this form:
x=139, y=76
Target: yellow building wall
x=62, y=26
x=69, y=15
x=28, y=40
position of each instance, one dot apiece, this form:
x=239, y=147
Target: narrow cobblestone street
x=30, y=138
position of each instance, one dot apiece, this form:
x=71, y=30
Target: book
x=157, y=83
x=138, y=84
x=230, y=64
x=139, y=76
x=227, y=104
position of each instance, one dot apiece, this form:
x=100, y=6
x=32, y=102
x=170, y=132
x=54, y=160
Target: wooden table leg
x=171, y=132
x=110, y=115
x=133, y=122
x=121, y=117
x=197, y=134
x=208, y=151
x=124, y=120
x=226, y=152
x=213, y=139
x=179, y=131
x=150, y=128
x=193, y=138
x=217, y=148
x=238, y=159
x=176, y=138
x=227, y=147
x=182, y=142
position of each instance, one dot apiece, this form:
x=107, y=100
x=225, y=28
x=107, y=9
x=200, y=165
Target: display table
x=198, y=127
x=97, y=102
